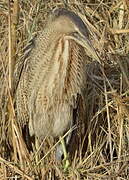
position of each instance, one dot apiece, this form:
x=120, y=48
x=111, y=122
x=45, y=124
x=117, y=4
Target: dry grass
x=107, y=154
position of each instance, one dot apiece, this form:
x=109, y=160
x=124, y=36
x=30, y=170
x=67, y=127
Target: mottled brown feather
x=52, y=77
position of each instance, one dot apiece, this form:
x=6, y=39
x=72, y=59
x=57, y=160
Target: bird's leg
x=66, y=161
x=64, y=145
x=61, y=149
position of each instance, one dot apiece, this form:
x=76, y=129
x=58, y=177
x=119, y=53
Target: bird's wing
x=21, y=78
x=79, y=134
x=76, y=87
x=75, y=80
x=20, y=65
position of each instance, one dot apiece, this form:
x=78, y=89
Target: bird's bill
x=85, y=42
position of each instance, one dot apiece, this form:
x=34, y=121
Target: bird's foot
x=66, y=163
x=61, y=153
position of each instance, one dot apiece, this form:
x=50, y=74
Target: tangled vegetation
x=107, y=154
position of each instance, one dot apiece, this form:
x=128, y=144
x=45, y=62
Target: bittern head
x=73, y=27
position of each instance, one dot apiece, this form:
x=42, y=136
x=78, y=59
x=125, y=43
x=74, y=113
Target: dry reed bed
x=107, y=155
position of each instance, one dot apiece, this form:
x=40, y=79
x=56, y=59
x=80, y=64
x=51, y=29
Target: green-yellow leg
x=66, y=161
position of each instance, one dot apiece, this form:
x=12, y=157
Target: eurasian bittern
x=54, y=75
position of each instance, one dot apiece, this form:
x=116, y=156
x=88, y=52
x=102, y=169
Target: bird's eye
x=75, y=34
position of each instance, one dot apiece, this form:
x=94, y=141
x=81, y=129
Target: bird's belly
x=54, y=121
x=63, y=119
